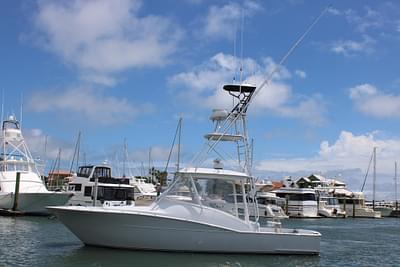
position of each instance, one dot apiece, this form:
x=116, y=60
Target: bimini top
x=243, y=88
x=213, y=173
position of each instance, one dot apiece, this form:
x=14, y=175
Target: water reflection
x=95, y=256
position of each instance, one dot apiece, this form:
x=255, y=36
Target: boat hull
x=141, y=231
x=34, y=203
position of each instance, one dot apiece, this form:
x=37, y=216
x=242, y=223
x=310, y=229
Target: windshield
x=215, y=193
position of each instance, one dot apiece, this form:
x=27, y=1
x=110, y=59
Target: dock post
x=287, y=205
x=96, y=185
x=16, y=192
x=354, y=209
x=344, y=205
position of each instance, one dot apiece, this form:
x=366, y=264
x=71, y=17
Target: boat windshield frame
x=209, y=189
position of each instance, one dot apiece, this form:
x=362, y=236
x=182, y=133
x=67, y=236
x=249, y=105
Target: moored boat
x=109, y=191
x=188, y=215
x=21, y=187
x=300, y=202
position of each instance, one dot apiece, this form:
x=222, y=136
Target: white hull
x=140, y=230
x=303, y=210
x=361, y=212
x=385, y=211
x=34, y=203
x=331, y=213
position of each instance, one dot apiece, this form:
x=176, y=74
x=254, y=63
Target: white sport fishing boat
x=28, y=193
x=187, y=216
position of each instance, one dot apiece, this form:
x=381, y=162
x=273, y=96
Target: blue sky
x=129, y=69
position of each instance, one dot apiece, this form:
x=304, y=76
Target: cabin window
x=84, y=171
x=302, y=197
x=75, y=187
x=88, y=191
x=102, y=172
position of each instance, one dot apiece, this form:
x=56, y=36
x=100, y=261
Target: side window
x=78, y=187
x=88, y=191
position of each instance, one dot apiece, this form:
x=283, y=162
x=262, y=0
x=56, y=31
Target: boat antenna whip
x=233, y=117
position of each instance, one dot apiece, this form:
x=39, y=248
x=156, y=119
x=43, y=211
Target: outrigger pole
x=241, y=108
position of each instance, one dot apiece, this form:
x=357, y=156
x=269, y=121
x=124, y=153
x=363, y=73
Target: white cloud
x=301, y=74
x=371, y=101
x=105, y=36
x=224, y=21
x=351, y=47
x=370, y=23
x=88, y=104
x=203, y=87
x=349, y=151
x=334, y=11
x=36, y=142
x=370, y=19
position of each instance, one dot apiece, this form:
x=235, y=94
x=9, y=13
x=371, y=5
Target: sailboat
x=377, y=207
x=21, y=188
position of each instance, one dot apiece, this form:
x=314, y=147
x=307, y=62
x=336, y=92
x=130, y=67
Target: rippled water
x=38, y=241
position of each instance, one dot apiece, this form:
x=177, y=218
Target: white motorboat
x=269, y=205
x=188, y=215
x=354, y=205
x=144, y=192
x=328, y=206
x=187, y=218
x=300, y=202
x=27, y=193
x=384, y=207
x=109, y=191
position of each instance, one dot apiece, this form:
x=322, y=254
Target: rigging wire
x=367, y=172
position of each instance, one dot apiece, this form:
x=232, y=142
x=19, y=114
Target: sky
x=128, y=70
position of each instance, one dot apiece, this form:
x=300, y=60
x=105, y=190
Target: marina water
x=44, y=241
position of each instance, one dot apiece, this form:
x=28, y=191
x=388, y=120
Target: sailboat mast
x=150, y=170
x=124, y=160
x=395, y=183
x=374, y=181
x=179, y=144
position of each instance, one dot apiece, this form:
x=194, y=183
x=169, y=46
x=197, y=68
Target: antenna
x=241, y=47
x=2, y=104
